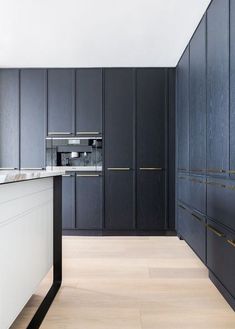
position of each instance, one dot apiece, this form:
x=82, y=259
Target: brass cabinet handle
x=216, y=170
x=87, y=175
x=231, y=242
x=119, y=169
x=87, y=132
x=59, y=133
x=198, y=170
x=215, y=231
x=149, y=168
x=196, y=217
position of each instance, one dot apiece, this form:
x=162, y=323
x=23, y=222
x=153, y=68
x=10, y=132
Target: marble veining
x=10, y=176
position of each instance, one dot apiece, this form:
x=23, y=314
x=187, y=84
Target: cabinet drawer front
x=89, y=201
x=119, y=200
x=221, y=255
x=192, y=191
x=220, y=201
x=193, y=230
x=68, y=201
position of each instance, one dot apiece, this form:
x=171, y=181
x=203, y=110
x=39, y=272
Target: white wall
x=84, y=33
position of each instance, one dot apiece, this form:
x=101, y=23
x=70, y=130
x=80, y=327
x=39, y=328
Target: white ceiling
x=84, y=33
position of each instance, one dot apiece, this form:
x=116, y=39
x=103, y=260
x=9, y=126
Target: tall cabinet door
x=61, y=102
x=232, y=86
x=151, y=148
x=9, y=118
x=33, y=101
x=89, y=201
x=183, y=112
x=119, y=149
x=198, y=99
x=68, y=201
x=218, y=86
x=89, y=101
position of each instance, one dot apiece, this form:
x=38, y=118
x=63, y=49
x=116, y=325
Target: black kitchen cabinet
x=220, y=256
x=197, y=139
x=218, y=86
x=33, y=102
x=89, y=101
x=119, y=118
x=220, y=201
x=192, y=229
x=151, y=214
x=192, y=191
x=151, y=147
x=68, y=201
x=232, y=86
x=9, y=118
x=151, y=117
x=119, y=200
x=183, y=112
x=61, y=102
x=89, y=201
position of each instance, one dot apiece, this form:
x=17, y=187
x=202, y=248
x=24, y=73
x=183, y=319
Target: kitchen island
x=30, y=240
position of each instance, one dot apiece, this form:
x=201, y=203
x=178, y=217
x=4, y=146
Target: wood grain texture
x=197, y=98
x=218, y=85
x=132, y=283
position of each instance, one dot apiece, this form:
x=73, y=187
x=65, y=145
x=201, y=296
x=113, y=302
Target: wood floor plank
x=132, y=282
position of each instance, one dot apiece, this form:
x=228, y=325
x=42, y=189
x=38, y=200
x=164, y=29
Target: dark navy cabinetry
x=152, y=111
x=61, y=102
x=218, y=86
x=33, y=102
x=89, y=201
x=197, y=96
x=183, y=111
x=68, y=201
x=9, y=118
x=206, y=190
x=119, y=134
x=89, y=101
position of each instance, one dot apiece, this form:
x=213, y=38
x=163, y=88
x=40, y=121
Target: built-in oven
x=78, y=153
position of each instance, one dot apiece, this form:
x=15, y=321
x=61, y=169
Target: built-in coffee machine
x=74, y=153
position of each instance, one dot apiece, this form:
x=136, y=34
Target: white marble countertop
x=78, y=168
x=10, y=176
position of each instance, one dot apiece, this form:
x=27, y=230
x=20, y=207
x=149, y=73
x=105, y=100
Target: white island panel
x=26, y=243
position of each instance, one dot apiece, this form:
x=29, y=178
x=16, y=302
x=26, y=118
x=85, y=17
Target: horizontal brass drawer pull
x=87, y=132
x=149, y=168
x=119, y=169
x=198, y=218
x=216, y=170
x=84, y=175
x=196, y=180
x=231, y=242
x=215, y=184
x=198, y=170
x=59, y=133
x=212, y=229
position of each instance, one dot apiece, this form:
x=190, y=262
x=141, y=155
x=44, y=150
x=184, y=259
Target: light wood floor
x=132, y=283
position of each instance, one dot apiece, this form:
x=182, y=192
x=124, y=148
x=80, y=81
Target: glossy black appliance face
x=74, y=152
